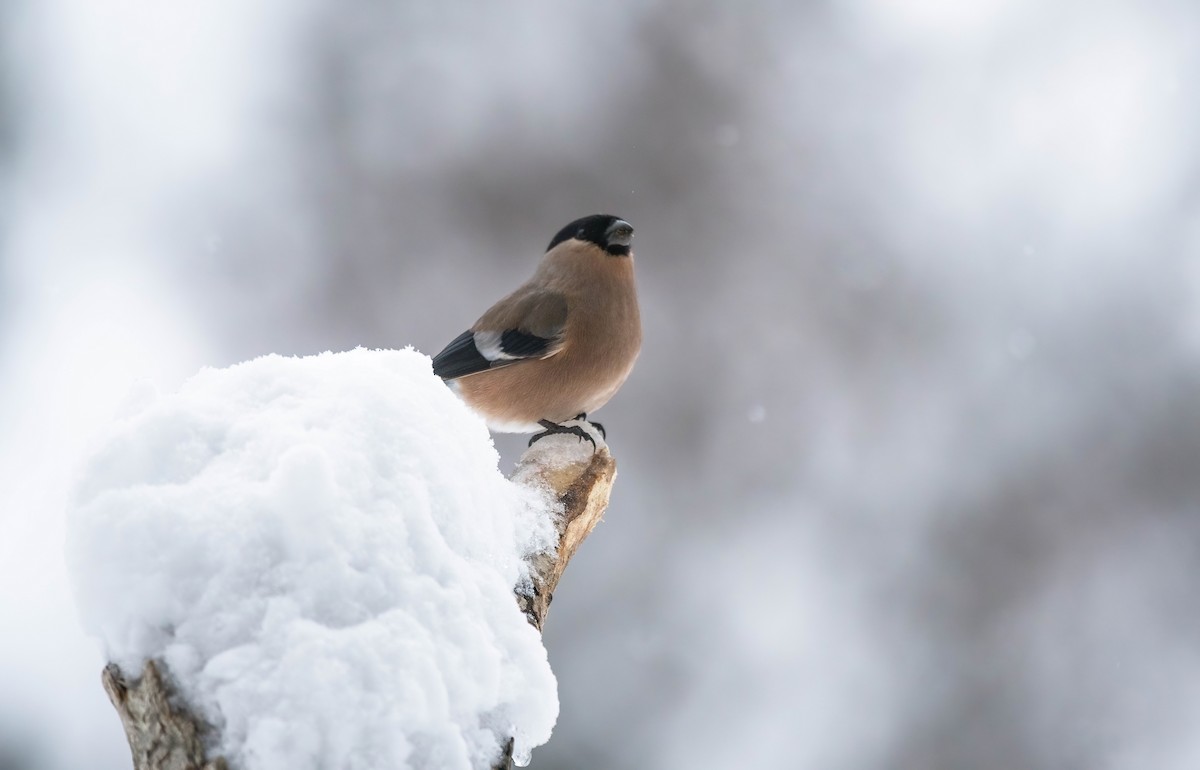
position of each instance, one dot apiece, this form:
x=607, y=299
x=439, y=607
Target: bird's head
x=612, y=234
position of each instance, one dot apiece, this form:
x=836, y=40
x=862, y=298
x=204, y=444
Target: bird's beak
x=619, y=233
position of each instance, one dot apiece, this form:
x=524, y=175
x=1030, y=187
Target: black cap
x=597, y=229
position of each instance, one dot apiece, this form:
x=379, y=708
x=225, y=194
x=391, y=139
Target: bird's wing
x=526, y=324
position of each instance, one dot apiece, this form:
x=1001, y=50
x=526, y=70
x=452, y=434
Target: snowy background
x=909, y=462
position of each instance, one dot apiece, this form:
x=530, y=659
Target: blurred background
x=910, y=464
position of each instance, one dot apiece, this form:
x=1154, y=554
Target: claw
x=583, y=417
x=554, y=429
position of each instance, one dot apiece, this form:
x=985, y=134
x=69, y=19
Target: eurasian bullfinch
x=560, y=346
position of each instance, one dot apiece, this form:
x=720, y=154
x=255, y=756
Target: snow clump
x=323, y=552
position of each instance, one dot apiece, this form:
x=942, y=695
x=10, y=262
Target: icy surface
x=323, y=552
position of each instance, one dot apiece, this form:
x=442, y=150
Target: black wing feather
x=519, y=344
x=460, y=358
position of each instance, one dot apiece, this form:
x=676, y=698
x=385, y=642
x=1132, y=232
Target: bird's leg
x=596, y=425
x=553, y=428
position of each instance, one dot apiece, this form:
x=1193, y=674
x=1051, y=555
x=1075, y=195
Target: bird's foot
x=554, y=429
x=596, y=425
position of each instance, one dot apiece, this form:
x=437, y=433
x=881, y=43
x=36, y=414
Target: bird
x=561, y=345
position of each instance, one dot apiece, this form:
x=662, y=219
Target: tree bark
x=163, y=732
x=582, y=488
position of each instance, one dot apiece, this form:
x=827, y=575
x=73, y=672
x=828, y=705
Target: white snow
x=323, y=551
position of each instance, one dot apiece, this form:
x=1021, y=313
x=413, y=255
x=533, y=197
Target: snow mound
x=323, y=552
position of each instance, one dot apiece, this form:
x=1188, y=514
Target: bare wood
x=582, y=488
x=164, y=734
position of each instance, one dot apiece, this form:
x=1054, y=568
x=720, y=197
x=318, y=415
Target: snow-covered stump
x=310, y=563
